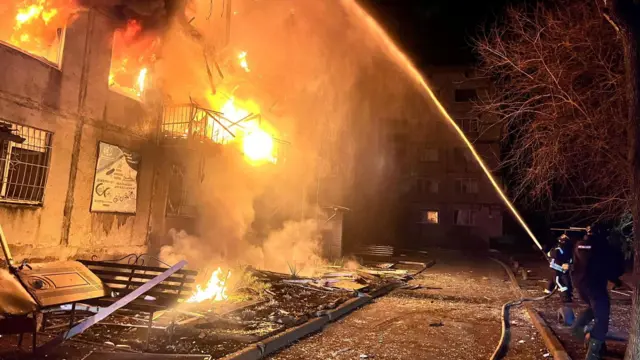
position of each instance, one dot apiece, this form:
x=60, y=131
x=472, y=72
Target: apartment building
x=448, y=200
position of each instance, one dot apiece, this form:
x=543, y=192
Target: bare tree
x=559, y=92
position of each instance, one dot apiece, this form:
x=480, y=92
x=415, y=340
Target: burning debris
x=214, y=290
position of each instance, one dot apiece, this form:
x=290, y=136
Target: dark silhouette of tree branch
x=559, y=75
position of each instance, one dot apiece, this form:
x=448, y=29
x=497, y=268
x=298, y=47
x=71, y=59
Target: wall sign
x=115, y=187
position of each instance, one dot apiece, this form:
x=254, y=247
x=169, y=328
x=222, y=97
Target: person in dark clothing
x=590, y=276
x=560, y=260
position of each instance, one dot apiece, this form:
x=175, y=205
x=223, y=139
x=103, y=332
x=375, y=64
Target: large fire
x=133, y=54
x=257, y=143
x=215, y=290
x=36, y=26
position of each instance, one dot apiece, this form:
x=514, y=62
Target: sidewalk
x=456, y=315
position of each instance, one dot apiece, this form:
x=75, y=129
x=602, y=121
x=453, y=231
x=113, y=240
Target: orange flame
x=37, y=27
x=133, y=54
x=215, y=290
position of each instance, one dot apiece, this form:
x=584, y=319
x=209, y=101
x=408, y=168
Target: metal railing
x=24, y=166
x=192, y=122
x=195, y=123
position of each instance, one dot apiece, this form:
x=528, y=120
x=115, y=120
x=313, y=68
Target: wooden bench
x=124, y=278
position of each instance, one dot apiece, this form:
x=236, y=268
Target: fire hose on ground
x=501, y=349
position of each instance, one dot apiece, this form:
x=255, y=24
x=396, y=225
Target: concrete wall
x=73, y=102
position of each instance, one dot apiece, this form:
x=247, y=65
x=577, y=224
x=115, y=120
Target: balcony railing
x=196, y=123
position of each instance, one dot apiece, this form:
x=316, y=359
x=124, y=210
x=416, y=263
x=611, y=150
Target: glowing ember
x=215, y=290
x=37, y=26
x=243, y=61
x=258, y=145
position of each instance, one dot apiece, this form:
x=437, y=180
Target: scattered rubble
x=273, y=303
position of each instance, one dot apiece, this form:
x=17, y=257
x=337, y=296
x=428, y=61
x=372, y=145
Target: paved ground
x=537, y=274
x=455, y=316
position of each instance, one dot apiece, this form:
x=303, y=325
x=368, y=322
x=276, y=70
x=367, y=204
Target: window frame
x=424, y=185
x=424, y=217
x=462, y=186
x=469, y=125
x=35, y=134
x=471, y=217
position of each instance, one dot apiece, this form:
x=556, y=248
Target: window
x=429, y=155
x=467, y=186
x=464, y=217
x=462, y=156
x=177, y=196
x=428, y=186
x=465, y=95
x=35, y=27
x=24, y=164
x=469, y=125
x=429, y=217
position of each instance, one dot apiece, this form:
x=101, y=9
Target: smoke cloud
x=322, y=82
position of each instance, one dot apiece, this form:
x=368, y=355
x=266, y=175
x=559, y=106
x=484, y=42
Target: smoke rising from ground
x=323, y=83
x=295, y=247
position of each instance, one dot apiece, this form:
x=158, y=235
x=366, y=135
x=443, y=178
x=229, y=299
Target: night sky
x=437, y=32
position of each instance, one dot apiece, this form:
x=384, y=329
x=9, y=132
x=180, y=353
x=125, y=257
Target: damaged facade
x=68, y=110
x=65, y=111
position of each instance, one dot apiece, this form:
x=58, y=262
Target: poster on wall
x=115, y=187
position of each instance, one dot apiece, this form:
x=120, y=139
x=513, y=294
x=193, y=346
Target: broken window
x=464, y=217
x=24, y=166
x=429, y=217
x=465, y=95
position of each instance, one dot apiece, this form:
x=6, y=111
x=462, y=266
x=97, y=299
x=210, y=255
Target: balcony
x=191, y=124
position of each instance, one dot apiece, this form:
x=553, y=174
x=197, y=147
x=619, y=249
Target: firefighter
x=560, y=260
x=591, y=272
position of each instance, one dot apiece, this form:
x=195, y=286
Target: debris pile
x=262, y=305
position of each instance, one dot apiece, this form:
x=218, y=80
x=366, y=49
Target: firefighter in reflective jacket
x=560, y=260
x=590, y=275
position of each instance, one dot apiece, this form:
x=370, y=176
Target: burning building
x=123, y=136
x=54, y=93
x=157, y=126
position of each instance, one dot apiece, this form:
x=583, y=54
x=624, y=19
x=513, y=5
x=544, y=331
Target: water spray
x=404, y=62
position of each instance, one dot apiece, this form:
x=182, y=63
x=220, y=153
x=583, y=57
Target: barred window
x=24, y=165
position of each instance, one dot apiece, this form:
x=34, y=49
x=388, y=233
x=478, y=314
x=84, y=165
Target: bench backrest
x=124, y=278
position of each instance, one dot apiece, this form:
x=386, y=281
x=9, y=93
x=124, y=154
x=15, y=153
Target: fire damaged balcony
x=193, y=124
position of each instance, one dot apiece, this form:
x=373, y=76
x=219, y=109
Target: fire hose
x=501, y=349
